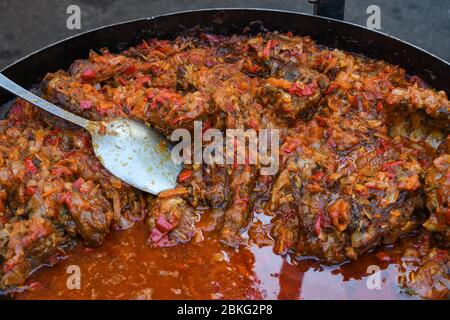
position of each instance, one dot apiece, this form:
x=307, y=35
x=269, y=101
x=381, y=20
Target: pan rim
x=325, y=19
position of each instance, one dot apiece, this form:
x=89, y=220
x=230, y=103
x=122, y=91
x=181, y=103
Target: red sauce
x=126, y=267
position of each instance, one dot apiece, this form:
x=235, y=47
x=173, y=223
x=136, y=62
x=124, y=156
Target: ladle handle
x=17, y=90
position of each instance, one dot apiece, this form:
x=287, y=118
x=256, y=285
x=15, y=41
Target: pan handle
x=329, y=8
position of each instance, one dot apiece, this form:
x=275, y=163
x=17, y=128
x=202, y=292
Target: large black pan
x=330, y=32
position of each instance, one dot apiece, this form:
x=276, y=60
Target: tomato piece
x=156, y=103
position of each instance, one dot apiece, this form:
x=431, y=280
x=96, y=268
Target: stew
x=363, y=179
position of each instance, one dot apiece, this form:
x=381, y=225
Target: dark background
x=28, y=25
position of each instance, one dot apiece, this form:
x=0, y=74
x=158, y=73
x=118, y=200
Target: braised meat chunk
x=425, y=267
x=437, y=186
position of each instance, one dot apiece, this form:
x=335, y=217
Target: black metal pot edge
x=213, y=10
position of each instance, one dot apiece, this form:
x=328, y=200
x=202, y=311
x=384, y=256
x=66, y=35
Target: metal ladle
x=128, y=149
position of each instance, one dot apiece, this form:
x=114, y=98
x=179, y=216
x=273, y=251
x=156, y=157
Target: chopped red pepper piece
x=306, y=91
x=322, y=122
x=267, y=48
x=318, y=225
x=369, y=96
x=30, y=191
x=142, y=80
x=66, y=199
x=289, y=147
x=16, y=111
x=88, y=74
x=380, y=107
x=270, y=44
x=254, y=124
x=241, y=201
x=36, y=285
x=385, y=144
x=383, y=256
x=157, y=101
x=185, y=175
x=332, y=88
x=354, y=100
x=61, y=171
x=163, y=225
x=130, y=70
x=78, y=183
x=85, y=104
x=391, y=164
x=207, y=125
x=441, y=255
x=29, y=165
x=122, y=81
x=156, y=235
x=251, y=67
x=317, y=176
